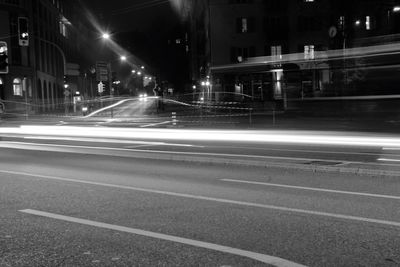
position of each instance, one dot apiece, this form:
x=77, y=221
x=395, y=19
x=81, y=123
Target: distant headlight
x=141, y=96
x=145, y=95
x=84, y=109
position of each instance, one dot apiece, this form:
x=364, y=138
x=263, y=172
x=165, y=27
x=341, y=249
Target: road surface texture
x=94, y=201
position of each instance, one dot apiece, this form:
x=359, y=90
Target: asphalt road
x=82, y=202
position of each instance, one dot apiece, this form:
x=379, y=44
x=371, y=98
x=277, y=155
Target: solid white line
x=8, y=144
x=42, y=147
x=108, y=141
x=279, y=262
x=155, y=124
x=219, y=200
x=391, y=148
x=389, y=160
x=313, y=189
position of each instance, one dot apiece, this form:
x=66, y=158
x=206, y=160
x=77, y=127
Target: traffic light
x=23, y=31
x=3, y=57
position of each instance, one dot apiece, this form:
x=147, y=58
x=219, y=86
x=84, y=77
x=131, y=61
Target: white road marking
x=42, y=147
x=7, y=144
x=275, y=261
x=101, y=140
x=389, y=160
x=155, y=124
x=313, y=189
x=219, y=200
x=391, y=148
x=307, y=151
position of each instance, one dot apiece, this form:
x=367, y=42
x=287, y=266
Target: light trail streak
x=281, y=137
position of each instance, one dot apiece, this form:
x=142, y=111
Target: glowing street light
x=396, y=9
x=133, y=71
x=142, y=67
x=123, y=58
x=106, y=36
x=139, y=73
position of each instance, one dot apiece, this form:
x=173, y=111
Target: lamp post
x=393, y=10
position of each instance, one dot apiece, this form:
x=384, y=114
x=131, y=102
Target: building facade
x=277, y=49
x=45, y=75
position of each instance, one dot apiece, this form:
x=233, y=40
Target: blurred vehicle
x=143, y=97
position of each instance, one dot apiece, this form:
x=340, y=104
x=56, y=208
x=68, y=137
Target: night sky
x=134, y=15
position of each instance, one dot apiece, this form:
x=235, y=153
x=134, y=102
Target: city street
x=153, y=201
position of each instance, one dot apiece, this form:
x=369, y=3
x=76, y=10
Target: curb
x=171, y=156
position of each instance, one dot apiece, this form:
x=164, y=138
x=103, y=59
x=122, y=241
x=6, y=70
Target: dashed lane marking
x=219, y=200
x=275, y=261
x=313, y=189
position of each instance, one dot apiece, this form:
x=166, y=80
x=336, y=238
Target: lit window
x=244, y=25
x=276, y=52
x=63, y=29
x=309, y=52
x=368, y=23
x=17, y=87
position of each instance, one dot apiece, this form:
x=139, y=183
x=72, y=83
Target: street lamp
x=133, y=71
x=396, y=9
x=123, y=58
x=106, y=36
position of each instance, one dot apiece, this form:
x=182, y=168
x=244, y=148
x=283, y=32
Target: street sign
x=332, y=31
x=102, y=72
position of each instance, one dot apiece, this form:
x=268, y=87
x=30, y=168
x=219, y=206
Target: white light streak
x=284, y=137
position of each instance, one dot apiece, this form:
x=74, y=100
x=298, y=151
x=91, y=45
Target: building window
x=63, y=29
x=244, y=25
x=17, y=87
x=276, y=52
x=309, y=52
